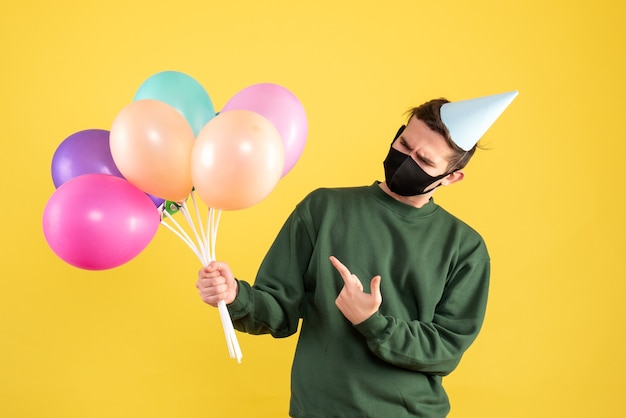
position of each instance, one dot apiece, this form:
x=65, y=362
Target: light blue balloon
x=183, y=93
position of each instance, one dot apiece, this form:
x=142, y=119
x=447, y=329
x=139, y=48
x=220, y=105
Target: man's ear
x=453, y=177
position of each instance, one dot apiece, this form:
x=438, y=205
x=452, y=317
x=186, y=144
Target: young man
x=377, y=347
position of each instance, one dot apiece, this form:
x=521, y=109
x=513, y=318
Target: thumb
x=375, y=287
x=215, y=265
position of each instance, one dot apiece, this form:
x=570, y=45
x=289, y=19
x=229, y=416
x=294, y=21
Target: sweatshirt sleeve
x=434, y=347
x=273, y=304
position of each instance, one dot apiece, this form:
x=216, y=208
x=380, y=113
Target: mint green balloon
x=183, y=93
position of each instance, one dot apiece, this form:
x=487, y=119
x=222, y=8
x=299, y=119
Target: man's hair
x=430, y=114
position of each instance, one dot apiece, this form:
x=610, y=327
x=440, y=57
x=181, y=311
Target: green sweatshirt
x=435, y=277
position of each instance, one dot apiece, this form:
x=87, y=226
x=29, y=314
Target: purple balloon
x=98, y=221
x=86, y=152
x=156, y=200
x=283, y=109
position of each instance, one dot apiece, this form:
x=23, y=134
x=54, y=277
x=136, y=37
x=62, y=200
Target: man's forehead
x=435, y=144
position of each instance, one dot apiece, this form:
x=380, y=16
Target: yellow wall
x=548, y=197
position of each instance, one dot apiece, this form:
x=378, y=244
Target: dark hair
x=430, y=114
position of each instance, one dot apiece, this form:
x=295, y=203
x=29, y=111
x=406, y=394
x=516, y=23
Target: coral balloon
x=183, y=93
x=237, y=160
x=151, y=145
x=99, y=221
x=281, y=107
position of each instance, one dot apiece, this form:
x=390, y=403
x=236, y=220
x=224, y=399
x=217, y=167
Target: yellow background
x=548, y=196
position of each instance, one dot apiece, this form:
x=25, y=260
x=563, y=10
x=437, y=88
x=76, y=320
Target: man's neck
x=415, y=201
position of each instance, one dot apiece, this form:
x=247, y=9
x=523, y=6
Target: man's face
x=428, y=148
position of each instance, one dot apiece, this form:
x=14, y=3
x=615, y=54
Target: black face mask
x=404, y=176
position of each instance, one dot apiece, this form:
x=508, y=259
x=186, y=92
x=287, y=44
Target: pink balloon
x=237, y=160
x=99, y=221
x=283, y=109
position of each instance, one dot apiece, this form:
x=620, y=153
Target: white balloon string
x=213, y=220
x=200, y=223
x=181, y=230
x=209, y=233
x=229, y=330
x=189, y=244
x=225, y=318
x=200, y=241
x=216, y=223
x=214, y=217
x=205, y=254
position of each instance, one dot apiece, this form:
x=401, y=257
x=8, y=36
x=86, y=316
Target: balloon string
x=209, y=233
x=229, y=332
x=189, y=244
x=206, y=254
x=202, y=234
x=213, y=219
x=201, y=246
x=225, y=318
x=186, y=238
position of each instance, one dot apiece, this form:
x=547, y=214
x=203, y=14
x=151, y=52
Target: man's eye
x=425, y=161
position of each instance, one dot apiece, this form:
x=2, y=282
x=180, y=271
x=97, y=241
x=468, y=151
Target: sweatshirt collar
x=402, y=208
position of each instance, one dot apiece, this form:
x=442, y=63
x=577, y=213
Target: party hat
x=468, y=120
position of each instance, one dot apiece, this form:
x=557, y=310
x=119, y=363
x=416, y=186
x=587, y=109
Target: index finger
x=343, y=270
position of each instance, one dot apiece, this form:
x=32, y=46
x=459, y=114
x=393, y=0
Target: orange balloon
x=237, y=160
x=151, y=145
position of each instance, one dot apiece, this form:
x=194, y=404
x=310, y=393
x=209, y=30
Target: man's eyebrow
x=426, y=160
x=422, y=157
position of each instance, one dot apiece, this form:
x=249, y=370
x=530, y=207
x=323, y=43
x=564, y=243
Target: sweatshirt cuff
x=374, y=327
x=241, y=305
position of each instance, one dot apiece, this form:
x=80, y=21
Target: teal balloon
x=183, y=93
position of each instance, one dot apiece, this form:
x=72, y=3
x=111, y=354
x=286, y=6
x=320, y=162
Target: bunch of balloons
x=169, y=142
x=114, y=188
